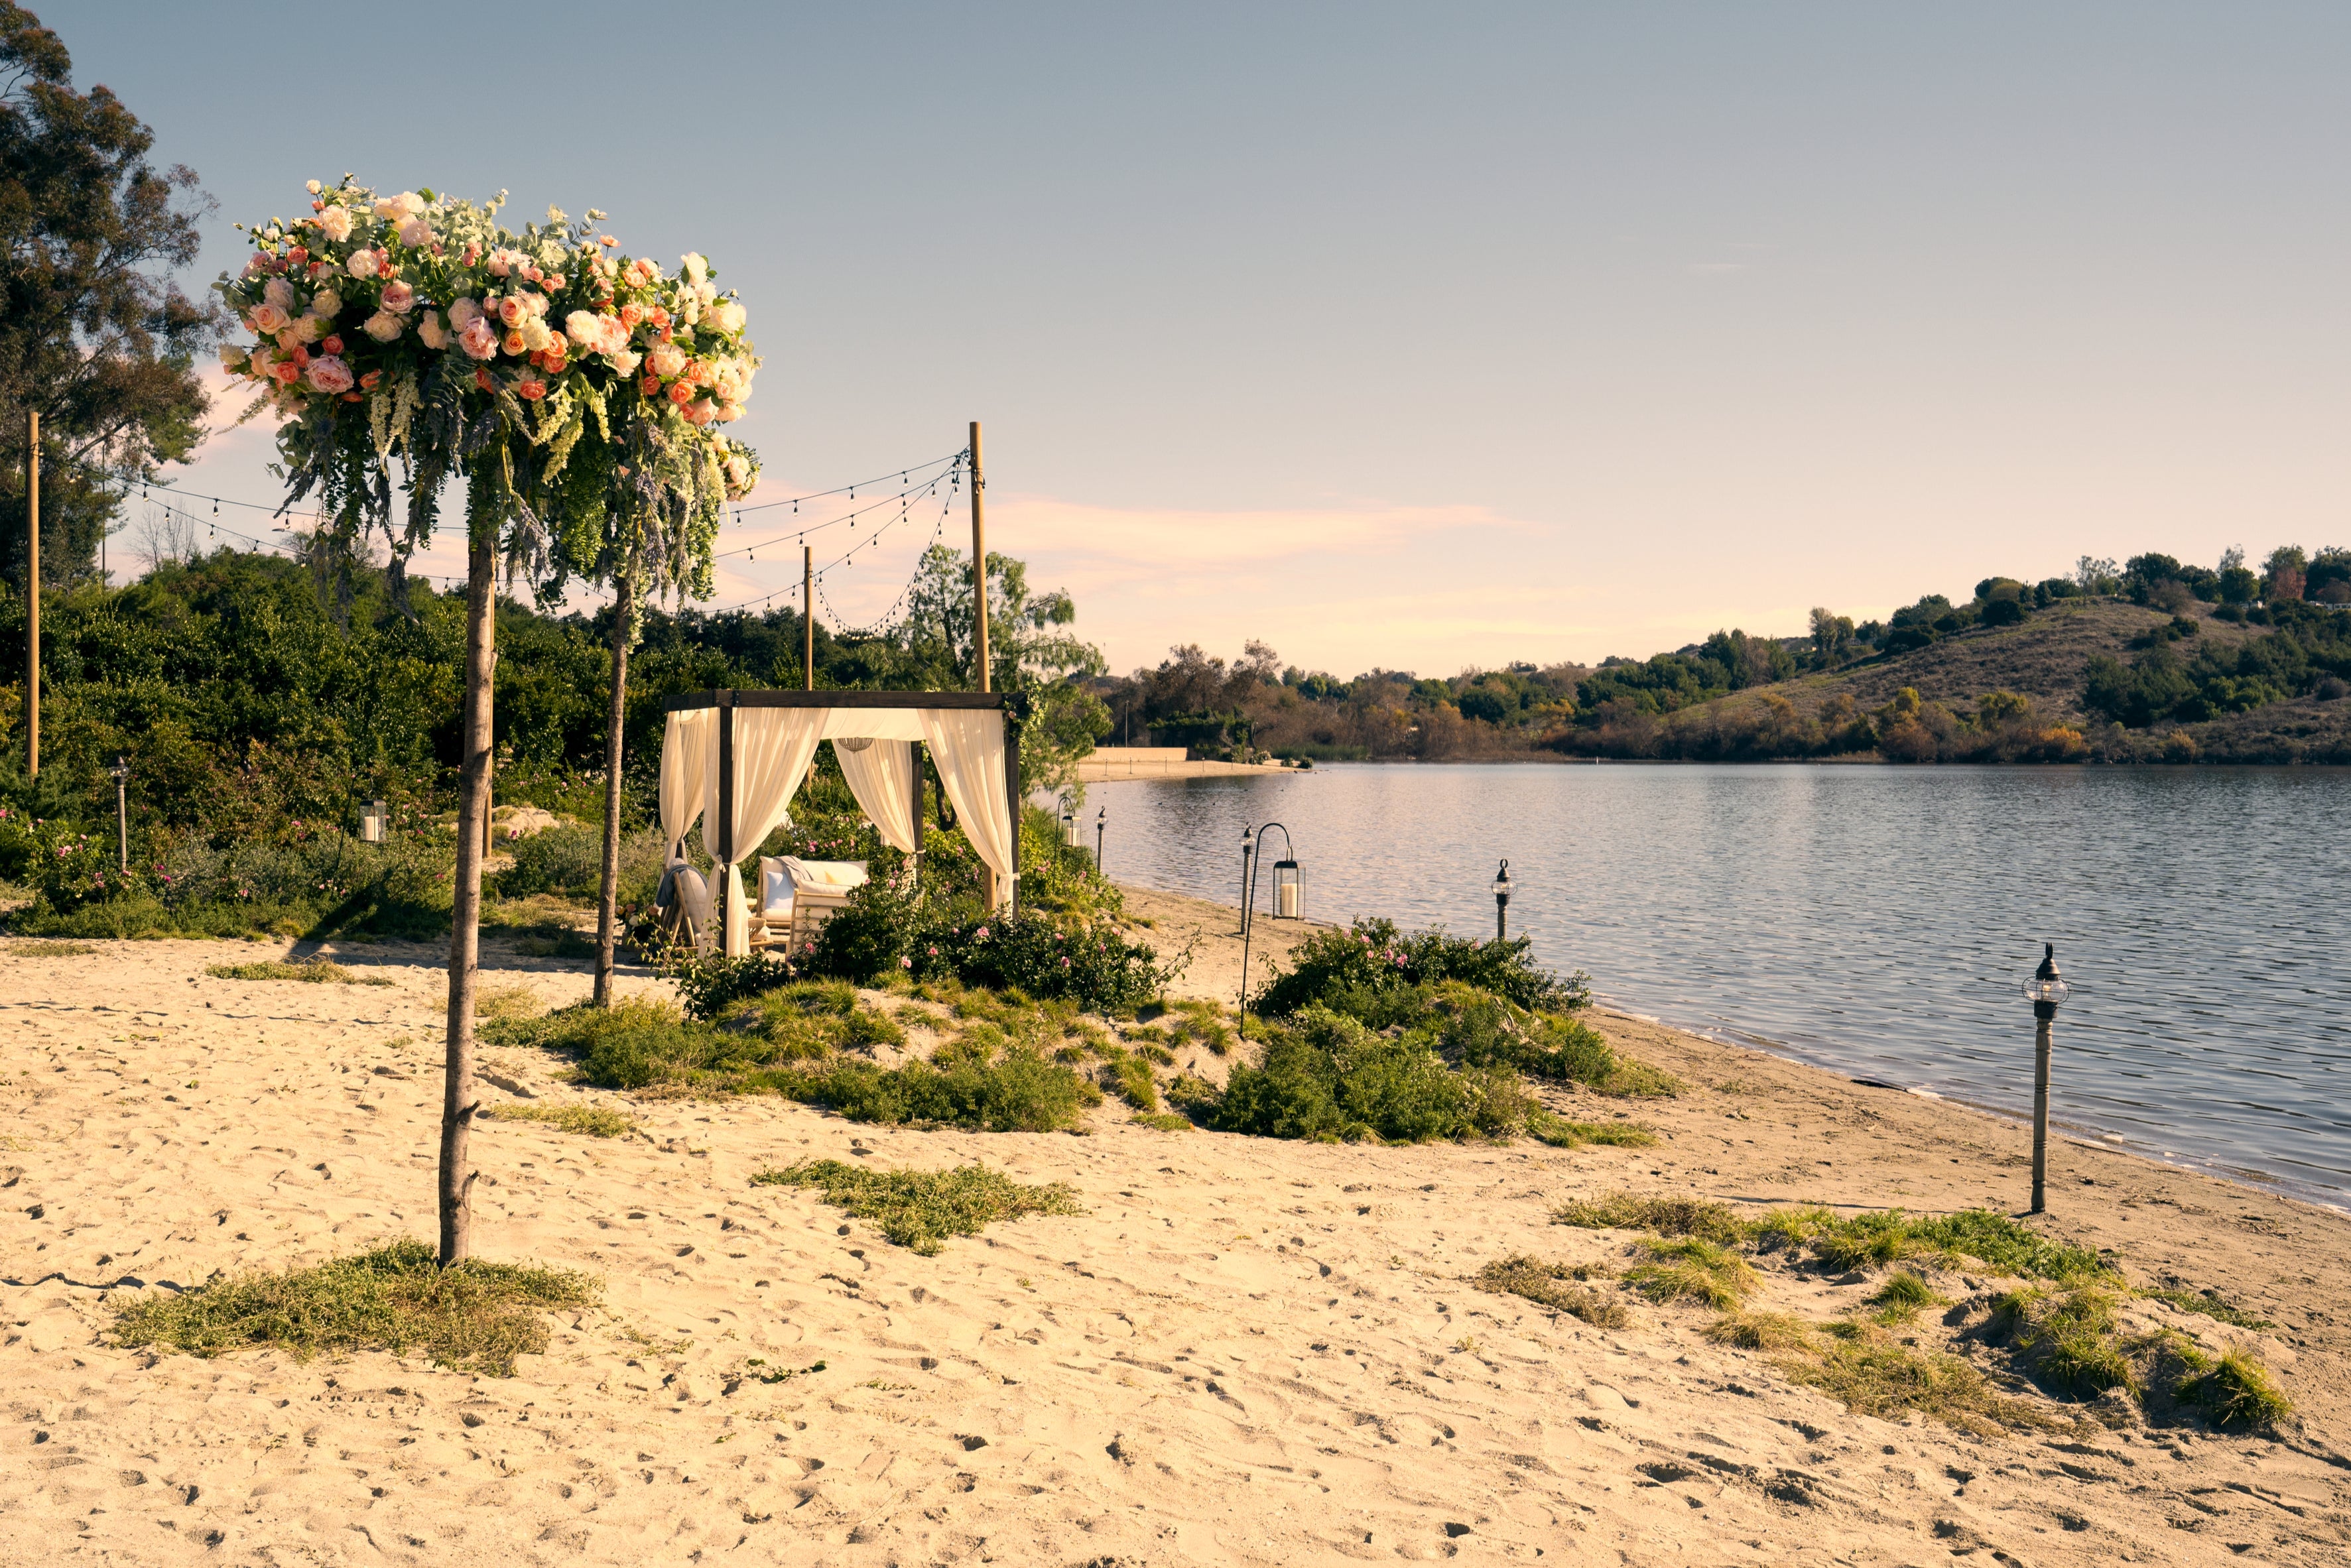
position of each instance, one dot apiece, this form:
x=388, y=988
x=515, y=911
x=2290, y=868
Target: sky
x=1408, y=336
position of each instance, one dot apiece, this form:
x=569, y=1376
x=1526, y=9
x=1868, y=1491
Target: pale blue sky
x=1420, y=336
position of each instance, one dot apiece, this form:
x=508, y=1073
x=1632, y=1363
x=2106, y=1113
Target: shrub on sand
x=477, y=1316
x=316, y=971
x=920, y=1209
x=1666, y=1214
x=593, y=1121
x=1548, y=1284
x=1760, y=1331
x=1693, y=1270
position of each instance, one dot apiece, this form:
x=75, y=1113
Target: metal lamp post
x=1502, y=903
x=1102, y=820
x=2044, y=991
x=121, y=772
x=1248, y=850
x=1253, y=843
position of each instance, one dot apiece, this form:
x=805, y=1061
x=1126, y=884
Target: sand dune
x=1243, y=1351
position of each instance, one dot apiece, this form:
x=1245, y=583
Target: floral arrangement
x=416, y=326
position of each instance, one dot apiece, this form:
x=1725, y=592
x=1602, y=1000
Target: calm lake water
x=1878, y=921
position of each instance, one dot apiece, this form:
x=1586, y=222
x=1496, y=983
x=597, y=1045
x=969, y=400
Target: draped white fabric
x=968, y=746
x=881, y=777
x=880, y=723
x=773, y=748
x=688, y=762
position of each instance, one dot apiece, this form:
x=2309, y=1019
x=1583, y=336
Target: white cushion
x=774, y=890
x=834, y=876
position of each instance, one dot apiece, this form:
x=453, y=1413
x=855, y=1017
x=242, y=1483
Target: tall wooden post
x=33, y=594
x=978, y=563
x=808, y=618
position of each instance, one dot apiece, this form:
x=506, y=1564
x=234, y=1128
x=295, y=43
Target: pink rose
x=512, y=311
x=328, y=375
x=478, y=339
x=462, y=311
x=530, y=389
x=266, y=319
x=398, y=297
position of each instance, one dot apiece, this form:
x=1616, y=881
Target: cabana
x=735, y=759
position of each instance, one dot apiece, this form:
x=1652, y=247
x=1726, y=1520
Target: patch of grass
x=500, y=1002
x=1663, y=1213
x=1901, y=1297
x=1560, y=1133
x=316, y=971
x=921, y=1208
x=1161, y=1121
x=477, y=1316
x=1131, y=1077
x=1998, y=1242
x=977, y=1082
x=2236, y=1391
x=593, y=1121
x=2210, y=1305
x=1199, y=1024
x=2069, y=1336
x=1875, y=1378
x=1693, y=1270
x=1548, y=1284
x=1760, y=1331
x=50, y=949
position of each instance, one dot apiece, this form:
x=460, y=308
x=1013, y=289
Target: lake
x=1877, y=921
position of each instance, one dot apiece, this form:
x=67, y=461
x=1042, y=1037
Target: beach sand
x=1244, y=1351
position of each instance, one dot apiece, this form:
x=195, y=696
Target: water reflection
x=1878, y=919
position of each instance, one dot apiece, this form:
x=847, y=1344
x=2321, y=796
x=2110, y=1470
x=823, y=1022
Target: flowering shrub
x=564, y=378
x=65, y=867
x=1092, y=965
x=1374, y=956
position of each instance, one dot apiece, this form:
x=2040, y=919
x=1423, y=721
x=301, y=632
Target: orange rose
x=650, y=386
x=482, y=379
x=681, y=393
x=514, y=343
x=531, y=391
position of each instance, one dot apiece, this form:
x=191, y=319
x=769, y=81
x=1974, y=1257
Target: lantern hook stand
x=1248, y=908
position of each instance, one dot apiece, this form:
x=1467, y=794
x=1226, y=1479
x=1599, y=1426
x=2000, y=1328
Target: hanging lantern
x=374, y=822
x=1289, y=891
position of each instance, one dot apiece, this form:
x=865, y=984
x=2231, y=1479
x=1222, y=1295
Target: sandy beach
x=1243, y=1351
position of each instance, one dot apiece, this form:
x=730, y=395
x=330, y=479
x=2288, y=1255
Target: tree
x=2282, y=574
x=94, y=335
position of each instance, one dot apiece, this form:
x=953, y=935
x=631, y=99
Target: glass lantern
x=1289, y=891
x=374, y=822
x=2045, y=989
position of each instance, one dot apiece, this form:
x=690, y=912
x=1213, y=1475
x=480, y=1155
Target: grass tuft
x=477, y=1316
x=1693, y=1270
x=1560, y=1133
x=594, y=1121
x=1663, y=1213
x=1760, y=1331
x=50, y=949
x=508, y=1002
x=2209, y=1305
x=1901, y=1297
x=1547, y=1284
x=1161, y=1121
x=1873, y=1378
x=2070, y=1335
x=316, y=971
x=2237, y=1391
x=921, y=1208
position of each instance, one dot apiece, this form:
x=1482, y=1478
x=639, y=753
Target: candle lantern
x=375, y=822
x=1289, y=891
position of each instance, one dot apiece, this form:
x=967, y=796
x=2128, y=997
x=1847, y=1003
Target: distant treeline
x=1257, y=706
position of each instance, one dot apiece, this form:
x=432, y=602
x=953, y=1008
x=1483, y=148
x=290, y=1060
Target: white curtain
x=689, y=751
x=773, y=748
x=881, y=777
x=968, y=746
x=880, y=723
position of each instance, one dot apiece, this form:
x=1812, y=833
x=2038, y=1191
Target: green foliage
x=1692, y=1269
x=921, y=1208
x=2208, y=1304
x=317, y=970
x=2308, y=645
x=2236, y=1391
x=1547, y=1284
x=2072, y=1337
x=562, y=860
x=980, y=1082
x=1760, y=1331
x=475, y=1317
x=590, y=1121
x=1666, y=1214
x=1873, y=1378
x=1373, y=957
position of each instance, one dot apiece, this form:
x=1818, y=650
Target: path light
x=1069, y=823
x=121, y=772
x=1101, y=819
x=374, y=822
x=1253, y=842
x=2044, y=991
x=1249, y=850
x=1502, y=902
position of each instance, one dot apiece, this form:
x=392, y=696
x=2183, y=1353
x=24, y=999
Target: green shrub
x=475, y=1317
x=1374, y=957
x=921, y=1208
x=976, y=1081
x=1665, y=1213
x=567, y=861
x=1693, y=1270
x=2237, y=1391
x=591, y=1121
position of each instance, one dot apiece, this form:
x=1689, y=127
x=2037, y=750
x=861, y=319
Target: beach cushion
x=775, y=888
x=830, y=875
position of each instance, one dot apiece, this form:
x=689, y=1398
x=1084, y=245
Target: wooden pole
x=808, y=618
x=33, y=594
x=457, y=1103
x=978, y=563
x=608, y=886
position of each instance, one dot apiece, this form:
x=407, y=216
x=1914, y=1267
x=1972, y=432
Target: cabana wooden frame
x=1014, y=706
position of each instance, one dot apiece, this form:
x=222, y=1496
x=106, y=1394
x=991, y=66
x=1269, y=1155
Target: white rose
x=535, y=334
x=623, y=361
x=236, y=361
x=326, y=303
x=432, y=331
x=308, y=329
x=312, y=187
x=384, y=326
x=416, y=233
x=399, y=208
x=729, y=315
x=696, y=267
x=362, y=264
x=335, y=223
x=582, y=327
x=462, y=311
x=279, y=293
x=665, y=359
